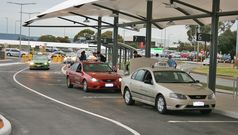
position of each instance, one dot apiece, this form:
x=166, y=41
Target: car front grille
x=197, y=96
x=108, y=80
x=191, y=106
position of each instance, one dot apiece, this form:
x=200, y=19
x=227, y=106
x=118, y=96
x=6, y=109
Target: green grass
x=221, y=70
x=220, y=87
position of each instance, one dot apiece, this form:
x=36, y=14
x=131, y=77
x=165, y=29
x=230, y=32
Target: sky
x=10, y=16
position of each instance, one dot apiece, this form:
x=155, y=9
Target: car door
x=136, y=84
x=72, y=72
x=148, y=88
x=78, y=75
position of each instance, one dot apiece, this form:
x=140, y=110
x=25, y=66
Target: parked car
x=14, y=52
x=92, y=75
x=39, y=62
x=167, y=89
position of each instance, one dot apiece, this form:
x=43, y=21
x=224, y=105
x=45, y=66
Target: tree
x=108, y=34
x=63, y=39
x=86, y=33
x=227, y=43
x=48, y=38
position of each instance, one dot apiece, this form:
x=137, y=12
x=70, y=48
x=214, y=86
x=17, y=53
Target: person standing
x=101, y=57
x=82, y=56
x=171, y=62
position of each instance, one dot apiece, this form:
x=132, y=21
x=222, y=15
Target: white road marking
x=102, y=97
x=73, y=107
x=9, y=64
x=62, y=69
x=202, y=121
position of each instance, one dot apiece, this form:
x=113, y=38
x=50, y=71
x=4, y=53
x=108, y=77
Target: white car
x=167, y=89
x=14, y=52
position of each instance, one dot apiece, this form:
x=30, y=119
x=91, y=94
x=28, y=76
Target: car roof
x=91, y=62
x=160, y=69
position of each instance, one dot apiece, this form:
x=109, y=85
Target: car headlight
x=32, y=63
x=119, y=79
x=94, y=79
x=211, y=96
x=177, y=96
x=46, y=63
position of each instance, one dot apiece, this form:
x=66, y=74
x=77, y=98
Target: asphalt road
x=58, y=110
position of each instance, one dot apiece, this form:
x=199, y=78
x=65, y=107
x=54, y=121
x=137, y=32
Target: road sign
x=139, y=38
x=203, y=37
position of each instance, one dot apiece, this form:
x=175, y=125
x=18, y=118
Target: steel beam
x=148, y=27
x=213, y=47
x=90, y=18
x=169, y=19
x=99, y=34
x=115, y=39
x=192, y=6
x=74, y=21
x=120, y=12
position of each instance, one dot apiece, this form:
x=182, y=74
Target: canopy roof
x=178, y=11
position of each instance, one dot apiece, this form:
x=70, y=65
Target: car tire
x=8, y=54
x=69, y=84
x=161, y=104
x=85, y=86
x=206, y=112
x=128, y=98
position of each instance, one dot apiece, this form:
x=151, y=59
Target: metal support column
x=213, y=47
x=99, y=35
x=148, y=27
x=115, y=46
x=120, y=58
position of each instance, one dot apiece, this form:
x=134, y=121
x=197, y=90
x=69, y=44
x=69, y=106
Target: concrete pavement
x=226, y=103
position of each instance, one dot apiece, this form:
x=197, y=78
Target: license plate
x=108, y=85
x=198, y=103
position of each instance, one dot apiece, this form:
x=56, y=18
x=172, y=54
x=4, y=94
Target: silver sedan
x=167, y=89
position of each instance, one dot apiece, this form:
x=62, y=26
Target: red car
x=92, y=75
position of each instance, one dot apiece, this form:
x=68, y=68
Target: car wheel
x=206, y=111
x=8, y=54
x=128, y=98
x=69, y=84
x=161, y=104
x=85, y=86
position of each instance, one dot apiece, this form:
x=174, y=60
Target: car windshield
x=40, y=57
x=97, y=67
x=173, y=77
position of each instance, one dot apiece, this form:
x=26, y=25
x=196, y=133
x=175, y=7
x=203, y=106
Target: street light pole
x=16, y=26
x=6, y=24
x=29, y=29
x=21, y=4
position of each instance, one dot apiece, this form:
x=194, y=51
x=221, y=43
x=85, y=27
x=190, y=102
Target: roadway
x=43, y=105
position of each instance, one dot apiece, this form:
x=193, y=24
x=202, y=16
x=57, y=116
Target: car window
x=97, y=67
x=140, y=75
x=147, y=76
x=134, y=75
x=40, y=57
x=74, y=66
x=172, y=77
x=79, y=67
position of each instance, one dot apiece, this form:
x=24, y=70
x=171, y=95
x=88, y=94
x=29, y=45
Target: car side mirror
x=148, y=82
x=197, y=81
